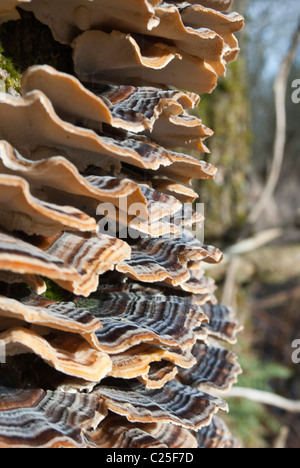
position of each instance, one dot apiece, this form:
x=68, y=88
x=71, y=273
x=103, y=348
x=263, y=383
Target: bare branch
x=281, y=441
x=253, y=243
x=231, y=282
x=265, y=398
x=248, y=245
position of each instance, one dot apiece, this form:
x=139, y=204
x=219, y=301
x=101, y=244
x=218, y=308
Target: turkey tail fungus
x=94, y=182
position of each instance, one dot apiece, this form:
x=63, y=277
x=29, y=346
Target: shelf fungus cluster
x=96, y=202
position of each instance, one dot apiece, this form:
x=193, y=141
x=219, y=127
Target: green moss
x=87, y=303
x=28, y=42
x=24, y=43
x=10, y=75
x=55, y=292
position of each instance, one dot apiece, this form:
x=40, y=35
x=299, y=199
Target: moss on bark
x=27, y=42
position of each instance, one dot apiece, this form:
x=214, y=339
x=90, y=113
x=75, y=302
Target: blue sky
x=273, y=23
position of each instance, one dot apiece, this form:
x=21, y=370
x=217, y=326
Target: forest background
x=260, y=234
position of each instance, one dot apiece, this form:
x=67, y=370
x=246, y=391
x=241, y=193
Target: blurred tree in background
x=227, y=112
x=266, y=288
x=269, y=33
x=241, y=112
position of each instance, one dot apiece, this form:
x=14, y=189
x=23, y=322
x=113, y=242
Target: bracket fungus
x=8, y=11
x=174, y=403
x=67, y=20
x=127, y=355
x=216, y=436
x=34, y=418
x=20, y=211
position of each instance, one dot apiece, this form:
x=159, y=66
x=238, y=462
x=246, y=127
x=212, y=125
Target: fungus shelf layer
x=95, y=178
